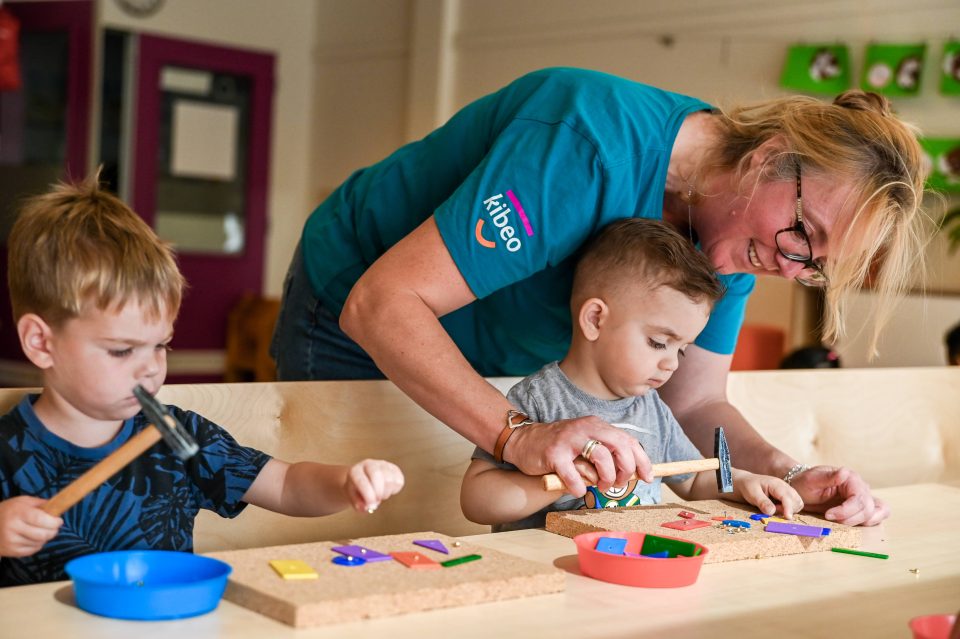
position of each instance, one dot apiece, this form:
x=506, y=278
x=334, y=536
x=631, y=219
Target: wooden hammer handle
x=553, y=483
x=107, y=468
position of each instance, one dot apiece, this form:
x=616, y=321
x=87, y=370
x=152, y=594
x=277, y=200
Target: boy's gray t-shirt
x=549, y=396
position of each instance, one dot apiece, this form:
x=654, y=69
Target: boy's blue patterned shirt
x=150, y=504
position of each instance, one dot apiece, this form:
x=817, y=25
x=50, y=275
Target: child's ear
x=593, y=315
x=35, y=340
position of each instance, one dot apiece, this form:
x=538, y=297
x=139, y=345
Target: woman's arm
x=697, y=395
x=392, y=312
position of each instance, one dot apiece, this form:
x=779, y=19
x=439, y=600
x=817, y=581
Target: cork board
x=383, y=588
x=754, y=544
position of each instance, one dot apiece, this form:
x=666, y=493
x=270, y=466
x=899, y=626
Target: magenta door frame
x=216, y=281
x=76, y=18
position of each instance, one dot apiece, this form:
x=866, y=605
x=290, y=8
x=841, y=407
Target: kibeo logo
x=498, y=212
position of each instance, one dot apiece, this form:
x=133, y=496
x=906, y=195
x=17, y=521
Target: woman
x=452, y=258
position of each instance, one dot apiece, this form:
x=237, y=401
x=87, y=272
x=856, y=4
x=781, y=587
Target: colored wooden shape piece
x=459, y=560
x=652, y=544
x=346, y=560
x=686, y=524
x=432, y=544
x=293, y=569
x=797, y=529
x=612, y=545
x=415, y=560
x=686, y=514
x=360, y=552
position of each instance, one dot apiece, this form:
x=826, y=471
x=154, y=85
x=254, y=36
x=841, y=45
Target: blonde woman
x=452, y=258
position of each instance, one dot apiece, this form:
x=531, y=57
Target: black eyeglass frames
x=794, y=244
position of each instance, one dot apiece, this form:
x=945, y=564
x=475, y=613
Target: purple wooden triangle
x=432, y=544
x=360, y=552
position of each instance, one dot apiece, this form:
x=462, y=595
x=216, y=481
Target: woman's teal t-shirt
x=517, y=182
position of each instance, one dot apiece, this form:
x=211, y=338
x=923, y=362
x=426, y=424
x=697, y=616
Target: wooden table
x=812, y=595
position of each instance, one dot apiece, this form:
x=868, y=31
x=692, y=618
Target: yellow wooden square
x=293, y=569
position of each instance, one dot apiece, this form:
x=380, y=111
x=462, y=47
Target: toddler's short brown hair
x=637, y=254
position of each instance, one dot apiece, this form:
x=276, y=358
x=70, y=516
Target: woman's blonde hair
x=77, y=245
x=855, y=140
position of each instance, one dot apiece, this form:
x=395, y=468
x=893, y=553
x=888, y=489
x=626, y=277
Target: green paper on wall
x=893, y=69
x=942, y=161
x=816, y=69
x=950, y=68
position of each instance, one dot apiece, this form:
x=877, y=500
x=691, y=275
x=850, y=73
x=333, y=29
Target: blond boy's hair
x=639, y=254
x=78, y=245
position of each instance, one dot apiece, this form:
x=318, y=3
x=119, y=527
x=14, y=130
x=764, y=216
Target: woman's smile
x=752, y=255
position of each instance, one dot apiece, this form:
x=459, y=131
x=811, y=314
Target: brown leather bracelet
x=507, y=432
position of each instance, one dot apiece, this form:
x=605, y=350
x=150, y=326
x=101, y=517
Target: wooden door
x=200, y=160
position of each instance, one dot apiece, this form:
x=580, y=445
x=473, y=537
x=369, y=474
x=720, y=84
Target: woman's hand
x=538, y=449
x=841, y=494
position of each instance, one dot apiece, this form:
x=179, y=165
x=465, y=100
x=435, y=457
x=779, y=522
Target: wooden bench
x=895, y=426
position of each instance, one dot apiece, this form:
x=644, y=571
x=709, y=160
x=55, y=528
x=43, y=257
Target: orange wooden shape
x=415, y=560
x=686, y=524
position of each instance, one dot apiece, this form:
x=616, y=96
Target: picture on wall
x=950, y=68
x=817, y=69
x=893, y=69
x=942, y=163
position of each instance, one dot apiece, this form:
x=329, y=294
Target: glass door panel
x=203, y=146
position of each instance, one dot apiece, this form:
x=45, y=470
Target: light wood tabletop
x=811, y=595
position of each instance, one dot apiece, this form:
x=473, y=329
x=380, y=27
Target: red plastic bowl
x=932, y=626
x=645, y=572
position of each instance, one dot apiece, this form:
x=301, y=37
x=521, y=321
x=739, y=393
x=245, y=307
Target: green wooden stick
x=459, y=560
x=862, y=553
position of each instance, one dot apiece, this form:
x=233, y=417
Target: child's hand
x=370, y=482
x=587, y=471
x=758, y=489
x=25, y=527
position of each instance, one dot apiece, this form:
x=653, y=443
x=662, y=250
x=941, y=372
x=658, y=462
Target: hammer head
x=722, y=453
x=173, y=432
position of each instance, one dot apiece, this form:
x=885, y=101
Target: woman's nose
x=789, y=269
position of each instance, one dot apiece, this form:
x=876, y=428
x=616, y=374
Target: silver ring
x=588, y=448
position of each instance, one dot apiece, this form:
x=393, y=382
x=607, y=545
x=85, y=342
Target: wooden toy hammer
x=720, y=463
x=162, y=425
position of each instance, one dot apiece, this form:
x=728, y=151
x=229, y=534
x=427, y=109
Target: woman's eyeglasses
x=794, y=244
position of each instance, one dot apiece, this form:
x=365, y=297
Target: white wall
x=914, y=336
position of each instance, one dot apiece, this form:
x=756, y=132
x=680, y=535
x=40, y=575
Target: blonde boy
x=94, y=295
x=641, y=294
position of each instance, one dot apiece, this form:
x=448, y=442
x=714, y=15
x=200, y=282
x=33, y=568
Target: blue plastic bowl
x=148, y=584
